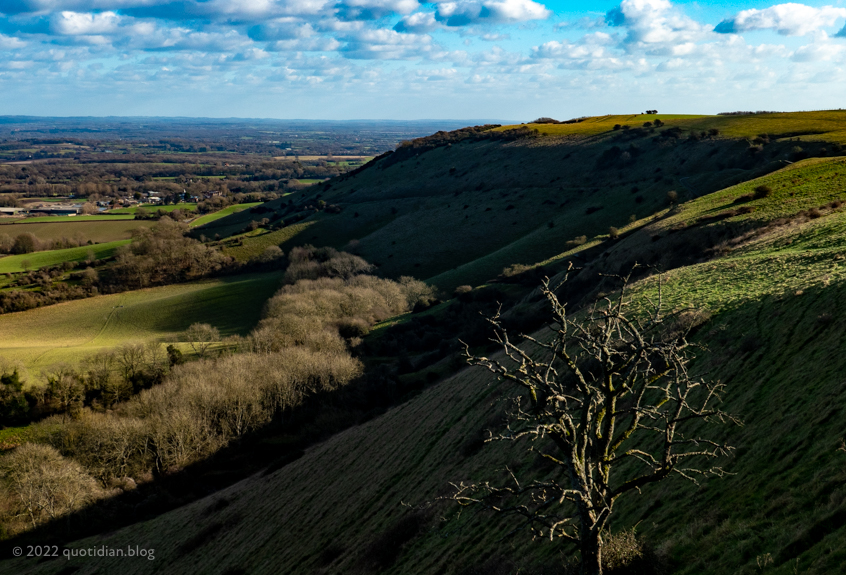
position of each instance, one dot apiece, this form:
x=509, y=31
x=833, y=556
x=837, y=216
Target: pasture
x=92, y=218
x=100, y=230
x=254, y=243
x=208, y=218
x=37, y=260
x=68, y=332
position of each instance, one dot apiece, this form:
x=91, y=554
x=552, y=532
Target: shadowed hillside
x=457, y=207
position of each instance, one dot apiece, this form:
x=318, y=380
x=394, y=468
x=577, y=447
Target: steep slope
x=774, y=337
x=456, y=208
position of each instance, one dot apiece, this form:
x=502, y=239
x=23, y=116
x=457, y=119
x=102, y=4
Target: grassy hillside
x=810, y=126
x=36, y=260
x=70, y=331
x=457, y=213
x=773, y=338
x=755, y=239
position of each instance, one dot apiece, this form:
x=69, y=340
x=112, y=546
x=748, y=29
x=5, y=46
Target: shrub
x=672, y=196
x=797, y=153
x=762, y=192
x=44, y=485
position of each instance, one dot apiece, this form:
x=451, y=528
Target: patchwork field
x=67, y=332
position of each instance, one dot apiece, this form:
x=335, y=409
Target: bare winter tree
x=201, y=336
x=608, y=399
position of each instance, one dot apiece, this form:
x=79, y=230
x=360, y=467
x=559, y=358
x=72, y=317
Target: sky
x=407, y=59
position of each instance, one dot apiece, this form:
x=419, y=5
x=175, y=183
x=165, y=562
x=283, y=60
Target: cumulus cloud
x=651, y=22
x=374, y=9
x=10, y=43
x=382, y=44
x=78, y=24
x=281, y=29
x=420, y=22
x=466, y=12
x=787, y=19
x=316, y=44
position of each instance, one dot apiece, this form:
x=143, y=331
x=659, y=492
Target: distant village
x=75, y=208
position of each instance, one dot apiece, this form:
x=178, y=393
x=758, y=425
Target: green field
x=208, y=218
x=254, y=243
x=154, y=208
x=93, y=218
x=36, y=260
x=68, y=332
x=101, y=230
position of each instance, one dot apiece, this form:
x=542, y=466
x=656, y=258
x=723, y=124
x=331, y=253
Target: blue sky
x=406, y=59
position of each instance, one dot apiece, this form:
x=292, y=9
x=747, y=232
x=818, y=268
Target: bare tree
x=43, y=484
x=201, y=336
x=608, y=399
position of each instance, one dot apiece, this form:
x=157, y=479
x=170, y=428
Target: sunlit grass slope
x=72, y=330
x=36, y=260
x=828, y=125
x=214, y=216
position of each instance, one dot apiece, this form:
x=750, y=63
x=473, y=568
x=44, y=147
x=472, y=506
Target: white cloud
x=651, y=22
x=437, y=75
x=78, y=24
x=316, y=44
x=419, y=22
x=10, y=43
x=821, y=51
x=787, y=19
x=374, y=9
x=383, y=44
x=465, y=12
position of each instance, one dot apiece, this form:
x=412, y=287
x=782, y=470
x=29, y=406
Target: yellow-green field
x=254, y=243
x=36, y=260
x=68, y=332
x=828, y=126
x=208, y=218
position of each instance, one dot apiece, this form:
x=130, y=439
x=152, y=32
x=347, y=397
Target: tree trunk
x=591, y=550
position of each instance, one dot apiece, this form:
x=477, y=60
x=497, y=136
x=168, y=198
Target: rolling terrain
x=754, y=240
x=69, y=331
